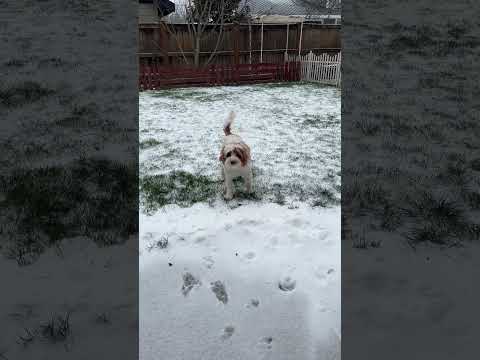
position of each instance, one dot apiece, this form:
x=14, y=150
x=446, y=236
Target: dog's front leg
x=222, y=173
x=228, y=186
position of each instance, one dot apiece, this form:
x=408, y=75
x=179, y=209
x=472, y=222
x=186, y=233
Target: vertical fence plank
x=261, y=45
x=250, y=42
x=155, y=75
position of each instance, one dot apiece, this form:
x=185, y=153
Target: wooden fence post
x=154, y=74
x=339, y=71
x=286, y=45
x=300, y=40
x=250, y=41
x=212, y=74
x=140, y=77
x=309, y=66
x=149, y=75
x=236, y=40
x=261, y=45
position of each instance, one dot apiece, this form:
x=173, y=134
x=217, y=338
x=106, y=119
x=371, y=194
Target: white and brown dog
x=235, y=156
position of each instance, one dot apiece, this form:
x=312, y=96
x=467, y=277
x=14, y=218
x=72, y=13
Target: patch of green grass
x=368, y=196
x=360, y=242
x=23, y=93
x=26, y=338
x=274, y=85
x=179, y=94
x=185, y=189
x=475, y=164
x=414, y=38
x=53, y=61
x=321, y=120
x=96, y=198
x=324, y=197
x=367, y=126
x=473, y=199
x=15, y=63
x=278, y=195
x=282, y=193
x=390, y=217
x=288, y=84
x=149, y=143
x=189, y=94
x=177, y=187
x=57, y=329
x=81, y=116
x=439, y=220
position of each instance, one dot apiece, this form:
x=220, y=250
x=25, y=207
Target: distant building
x=283, y=11
x=274, y=11
x=152, y=11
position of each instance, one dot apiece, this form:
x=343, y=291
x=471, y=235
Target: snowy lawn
x=257, y=277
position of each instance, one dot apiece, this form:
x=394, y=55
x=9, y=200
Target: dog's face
x=234, y=156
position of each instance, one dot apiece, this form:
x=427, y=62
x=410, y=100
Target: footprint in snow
x=254, y=303
x=250, y=255
x=228, y=332
x=296, y=222
x=208, y=261
x=148, y=236
x=189, y=281
x=266, y=342
x=287, y=284
x=324, y=276
x=323, y=235
x=220, y=292
x=248, y=222
x=234, y=206
x=200, y=239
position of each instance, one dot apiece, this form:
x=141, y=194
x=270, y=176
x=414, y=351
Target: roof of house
x=285, y=7
x=266, y=7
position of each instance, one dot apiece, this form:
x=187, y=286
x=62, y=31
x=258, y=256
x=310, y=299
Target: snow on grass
x=257, y=277
x=293, y=131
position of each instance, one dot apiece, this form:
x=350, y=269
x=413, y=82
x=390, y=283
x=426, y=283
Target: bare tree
x=204, y=17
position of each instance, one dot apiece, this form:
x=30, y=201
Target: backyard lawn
x=257, y=277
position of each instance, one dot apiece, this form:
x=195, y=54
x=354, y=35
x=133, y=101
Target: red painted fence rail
x=156, y=76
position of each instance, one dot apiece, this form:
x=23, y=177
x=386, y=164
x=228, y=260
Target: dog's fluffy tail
x=228, y=123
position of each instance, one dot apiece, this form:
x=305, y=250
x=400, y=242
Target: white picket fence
x=322, y=68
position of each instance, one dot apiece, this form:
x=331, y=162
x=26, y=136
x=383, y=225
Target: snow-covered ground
x=293, y=131
x=254, y=278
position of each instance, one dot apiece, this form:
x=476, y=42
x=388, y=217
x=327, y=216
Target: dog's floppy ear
x=241, y=154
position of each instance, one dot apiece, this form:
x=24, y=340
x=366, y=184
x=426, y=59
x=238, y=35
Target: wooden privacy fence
x=174, y=44
x=156, y=76
x=323, y=68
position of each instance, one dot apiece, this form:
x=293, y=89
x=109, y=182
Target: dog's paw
x=228, y=196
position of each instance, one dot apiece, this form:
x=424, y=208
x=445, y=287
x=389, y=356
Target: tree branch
x=177, y=41
x=220, y=35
